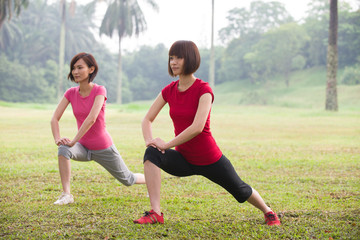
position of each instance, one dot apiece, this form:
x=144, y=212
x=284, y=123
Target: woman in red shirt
x=196, y=152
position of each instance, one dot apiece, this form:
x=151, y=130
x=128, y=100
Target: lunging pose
x=92, y=141
x=196, y=152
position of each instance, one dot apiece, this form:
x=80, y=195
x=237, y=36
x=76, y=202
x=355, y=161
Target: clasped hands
x=157, y=143
x=64, y=141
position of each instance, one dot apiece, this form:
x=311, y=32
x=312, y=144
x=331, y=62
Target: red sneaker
x=150, y=217
x=271, y=219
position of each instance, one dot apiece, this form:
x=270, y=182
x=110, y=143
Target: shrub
x=351, y=75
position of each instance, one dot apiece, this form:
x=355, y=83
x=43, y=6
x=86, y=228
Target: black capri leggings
x=221, y=172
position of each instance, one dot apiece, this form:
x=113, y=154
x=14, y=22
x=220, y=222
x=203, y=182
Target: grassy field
x=304, y=162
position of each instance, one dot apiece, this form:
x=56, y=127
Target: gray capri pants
x=109, y=158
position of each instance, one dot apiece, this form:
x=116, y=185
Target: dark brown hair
x=189, y=52
x=90, y=62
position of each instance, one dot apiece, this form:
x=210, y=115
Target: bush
x=253, y=98
x=19, y=83
x=298, y=62
x=351, y=76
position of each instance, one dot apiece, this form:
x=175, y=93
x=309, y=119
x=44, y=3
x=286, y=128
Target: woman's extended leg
x=112, y=161
x=224, y=174
x=271, y=217
x=256, y=200
x=140, y=178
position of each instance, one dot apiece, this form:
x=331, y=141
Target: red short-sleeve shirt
x=202, y=149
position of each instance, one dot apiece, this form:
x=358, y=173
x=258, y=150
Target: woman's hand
x=71, y=143
x=157, y=143
x=63, y=141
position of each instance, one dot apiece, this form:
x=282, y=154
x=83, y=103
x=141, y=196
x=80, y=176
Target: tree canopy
x=268, y=43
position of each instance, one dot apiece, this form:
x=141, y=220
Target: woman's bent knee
x=153, y=155
x=64, y=151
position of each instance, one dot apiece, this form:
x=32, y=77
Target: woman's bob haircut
x=90, y=62
x=189, y=52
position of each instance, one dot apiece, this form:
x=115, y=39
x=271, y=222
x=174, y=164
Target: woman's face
x=176, y=65
x=81, y=71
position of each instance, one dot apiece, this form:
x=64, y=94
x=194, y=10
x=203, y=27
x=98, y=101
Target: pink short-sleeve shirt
x=97, y=137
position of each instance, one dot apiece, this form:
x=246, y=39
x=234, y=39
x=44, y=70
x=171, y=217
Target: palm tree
x=125, y=17
x=62, y=46
x=30, y=40
x=7, y=8
x=332, y=59
x=75, y=31
x=10, y=34
x=35, y=46
x=212, y=54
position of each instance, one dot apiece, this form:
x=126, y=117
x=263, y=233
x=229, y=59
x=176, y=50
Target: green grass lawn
x=304, y=162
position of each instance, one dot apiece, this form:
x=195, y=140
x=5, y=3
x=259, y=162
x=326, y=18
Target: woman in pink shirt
x=92, y=141
x=196, y=152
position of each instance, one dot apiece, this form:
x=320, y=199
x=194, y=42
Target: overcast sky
x=188, y=20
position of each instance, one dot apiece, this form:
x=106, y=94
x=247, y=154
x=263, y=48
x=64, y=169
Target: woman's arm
x=193, y=130
x=55, y=122
x=150, y=116
x=89, y=120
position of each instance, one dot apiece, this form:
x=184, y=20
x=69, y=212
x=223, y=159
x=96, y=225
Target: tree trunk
x=332, y=59
x=212, y=54
x=119, y=76
x=287, y=78
x=9, y=9
x=61, y=50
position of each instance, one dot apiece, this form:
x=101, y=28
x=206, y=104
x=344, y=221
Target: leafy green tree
x=261, y=17
x=107, y=70
x=315, y=50
x=126, y=18
x=280, y=46
x=19, y=83
x=39, y=34
x=38, y=25
x=146, y=70
x=234, y=66
x=244, y=31
x=316, y=25
x=33, y=43
x=74, y=32
x=203, y=71
x=258, y=68
x=7, y=7
x=348, y=37
x=351, y=75
x=10, y=35
x=298, y=62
